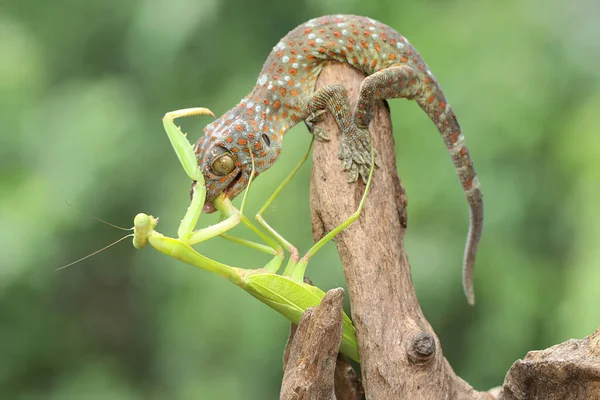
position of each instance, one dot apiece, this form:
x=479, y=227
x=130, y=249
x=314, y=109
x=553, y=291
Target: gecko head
x=224, y=159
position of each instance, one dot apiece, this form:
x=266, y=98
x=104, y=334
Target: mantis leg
x=261, y=221
x=297, y=272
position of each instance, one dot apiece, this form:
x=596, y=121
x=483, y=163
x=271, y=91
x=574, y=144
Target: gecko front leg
x=355, y=143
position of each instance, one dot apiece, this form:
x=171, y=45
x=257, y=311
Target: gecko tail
x=475, y=199
x=436, y=106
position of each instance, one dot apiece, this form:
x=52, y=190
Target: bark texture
x=312, y=351
x=567, y=371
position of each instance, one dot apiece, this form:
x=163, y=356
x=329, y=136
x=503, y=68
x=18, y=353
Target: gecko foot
x=355, y=153
x=317, y=132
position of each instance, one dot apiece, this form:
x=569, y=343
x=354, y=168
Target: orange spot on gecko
x=443, y=105
x=291, y=82
x=276, y=105
x=308, y=30
x=294, y=51
x=403, y=59
x=393, y=42
x=239, y=128
x=392, y=56
x=242, y=141
x=322, y=49
x=373, y=63
x=427, y=79
x=337, y=34
x=376, y=45
x=384, y=36
x=283, y=91
x=291, y=42
x=294, y=92
x=257, y=146
x=284, y=114
x=279, y=54
x=431, y=99
x=229, y=140
x=251, y=135
x=363, y=44
x=293, y=71
x=311, y=43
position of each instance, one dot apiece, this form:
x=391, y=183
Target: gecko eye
x=266, y=140
x=223, y=165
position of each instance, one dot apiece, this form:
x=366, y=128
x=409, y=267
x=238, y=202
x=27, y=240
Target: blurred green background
x=83, y=86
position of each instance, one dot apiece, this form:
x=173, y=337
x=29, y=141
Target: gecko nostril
x=266, y=139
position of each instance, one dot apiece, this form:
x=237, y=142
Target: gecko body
x=285, y=95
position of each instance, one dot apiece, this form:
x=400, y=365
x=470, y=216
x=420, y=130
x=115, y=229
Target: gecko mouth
x=209, y=206
x=234, y=181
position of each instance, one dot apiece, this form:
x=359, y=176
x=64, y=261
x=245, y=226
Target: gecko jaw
x=229, y=189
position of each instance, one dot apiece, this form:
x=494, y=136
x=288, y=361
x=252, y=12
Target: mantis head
x=143, y=227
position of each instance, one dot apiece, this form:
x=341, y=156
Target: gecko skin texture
x=285, y=95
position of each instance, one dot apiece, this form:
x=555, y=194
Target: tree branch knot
x=422, y=348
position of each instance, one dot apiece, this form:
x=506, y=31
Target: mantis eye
x=223, y=165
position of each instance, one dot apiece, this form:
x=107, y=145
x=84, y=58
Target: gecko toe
x=365, y=170
x=320, y=134
x=353, y=174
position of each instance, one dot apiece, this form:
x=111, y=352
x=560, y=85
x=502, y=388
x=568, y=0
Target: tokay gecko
x=285, y=95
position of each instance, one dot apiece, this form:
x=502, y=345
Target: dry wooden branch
x=311, y=357
x=568, y=371
x=400, y=355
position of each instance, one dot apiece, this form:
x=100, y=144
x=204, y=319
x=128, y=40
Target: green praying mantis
x=286, y=293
